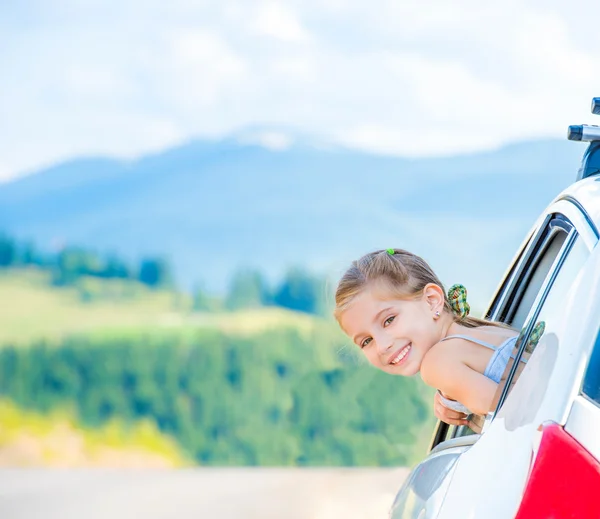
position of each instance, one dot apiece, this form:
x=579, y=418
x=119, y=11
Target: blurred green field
x=29, y=438
x=32, y=309
x=264, y=386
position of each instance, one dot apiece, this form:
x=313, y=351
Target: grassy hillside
x=264, y=387
x=33, y=310
x=29, y=438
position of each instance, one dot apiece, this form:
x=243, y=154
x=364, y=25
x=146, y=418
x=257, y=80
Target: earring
x=437, y=315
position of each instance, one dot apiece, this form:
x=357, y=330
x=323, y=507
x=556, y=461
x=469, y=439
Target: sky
x=435, y=77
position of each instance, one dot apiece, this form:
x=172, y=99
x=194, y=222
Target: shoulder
x=493, y=334
x=445, y=369
x=440, y=359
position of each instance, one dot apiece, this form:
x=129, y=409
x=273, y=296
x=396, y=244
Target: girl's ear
x=433, y=295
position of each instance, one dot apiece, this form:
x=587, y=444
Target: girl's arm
x=442, y=370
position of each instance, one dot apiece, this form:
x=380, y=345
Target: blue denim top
x=494, y=369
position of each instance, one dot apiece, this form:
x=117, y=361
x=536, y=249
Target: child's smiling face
x=394, y=334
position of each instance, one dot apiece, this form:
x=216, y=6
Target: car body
x=538, y=453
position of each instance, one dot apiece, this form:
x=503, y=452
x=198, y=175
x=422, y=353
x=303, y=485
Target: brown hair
x=405, y=273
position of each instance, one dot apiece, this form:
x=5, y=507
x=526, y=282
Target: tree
x=28, y=254
x=301, y=291
x=115, y=267
x=74, y=262
x=248, y=289
x=204, y=302
x=154, y=272
x=7, y=251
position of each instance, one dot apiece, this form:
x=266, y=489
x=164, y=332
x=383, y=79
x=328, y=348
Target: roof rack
x=590, y=164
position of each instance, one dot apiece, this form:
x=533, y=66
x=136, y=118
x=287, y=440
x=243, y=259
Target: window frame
x=540, y=299
x=516, y=271
x=564, y=215
x=506, y=304
x=572, y=211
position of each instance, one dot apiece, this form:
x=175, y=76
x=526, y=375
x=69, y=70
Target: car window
x=527, y=276
x=540, y=258
x=546, y=315
x=534, y=269
x=510, y=277
x=522, y=285
x=533, y=284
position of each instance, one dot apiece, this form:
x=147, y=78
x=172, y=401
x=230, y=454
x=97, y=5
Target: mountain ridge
x=212, y=206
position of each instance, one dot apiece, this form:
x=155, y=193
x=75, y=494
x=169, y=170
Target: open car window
x=530, y=278
x=521, y=288
x=540, y=310
x=533, y=291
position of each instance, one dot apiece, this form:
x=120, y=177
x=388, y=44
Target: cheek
x=371, y=357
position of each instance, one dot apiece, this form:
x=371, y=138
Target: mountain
x=212, y=206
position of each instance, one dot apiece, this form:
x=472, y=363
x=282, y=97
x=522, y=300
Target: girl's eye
x=366, y=342
x=388, y=321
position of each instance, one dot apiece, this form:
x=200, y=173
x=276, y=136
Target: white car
x=538, y=454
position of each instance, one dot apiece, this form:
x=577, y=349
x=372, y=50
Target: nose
x=384, y=343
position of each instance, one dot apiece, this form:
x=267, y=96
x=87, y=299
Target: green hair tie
x=457, y=297
x=391, y=252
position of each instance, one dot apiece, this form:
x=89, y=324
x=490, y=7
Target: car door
x=547, y=263
x=537, y=262
x=573, y=450
x=544, y=284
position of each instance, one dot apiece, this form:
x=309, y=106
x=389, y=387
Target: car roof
x=586, y=194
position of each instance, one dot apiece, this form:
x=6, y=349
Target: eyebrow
x=377, y=315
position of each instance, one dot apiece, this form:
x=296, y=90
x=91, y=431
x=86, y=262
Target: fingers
x=450, y=416
x=451, y=421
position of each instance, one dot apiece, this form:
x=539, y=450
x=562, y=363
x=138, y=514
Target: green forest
x=74, y=266
x=274, y=399
x=288, y=390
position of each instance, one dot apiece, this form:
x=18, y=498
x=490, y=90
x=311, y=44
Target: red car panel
x=564, y=481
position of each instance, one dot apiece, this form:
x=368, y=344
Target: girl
x=394, y=308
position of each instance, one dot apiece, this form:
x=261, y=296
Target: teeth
x=401, y=355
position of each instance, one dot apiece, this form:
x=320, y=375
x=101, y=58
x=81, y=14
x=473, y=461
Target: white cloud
x=198, y=68
x=272, y=140
x=412, y=142
x=279, y=21
x=398, y=77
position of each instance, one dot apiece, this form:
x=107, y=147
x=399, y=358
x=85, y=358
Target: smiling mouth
x=398, y=357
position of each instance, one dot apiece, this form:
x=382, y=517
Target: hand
x=448, y=415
